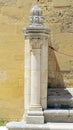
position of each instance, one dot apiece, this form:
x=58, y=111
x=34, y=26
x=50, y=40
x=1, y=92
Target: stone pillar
x=36, y=65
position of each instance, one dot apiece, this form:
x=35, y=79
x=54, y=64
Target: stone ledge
x=59, y=115
x=48, y=126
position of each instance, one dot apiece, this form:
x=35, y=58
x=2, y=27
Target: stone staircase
x=60, y=106
x=59, y=98
x=58, y=116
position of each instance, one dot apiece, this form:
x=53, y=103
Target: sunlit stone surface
x=37, y=116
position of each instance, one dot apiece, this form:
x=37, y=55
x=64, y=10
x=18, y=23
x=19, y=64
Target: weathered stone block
x=58, y=115
x=35, y=119
x=60, y=3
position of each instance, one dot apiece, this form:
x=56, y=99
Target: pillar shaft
x=35, y=78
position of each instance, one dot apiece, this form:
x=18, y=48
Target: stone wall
x=59, y=17
x=14, y=15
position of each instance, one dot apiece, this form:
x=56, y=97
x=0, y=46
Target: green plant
x=3, y=122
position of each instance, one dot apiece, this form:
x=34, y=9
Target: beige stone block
x=12, y=11
x=60, y=3
x=27, y=65
x=19, y=29
x=44, y=97
x=58, y=116
x=43, y=90
x=52, y=65
x=10, y=38
x=71, y=65
x=44, y=56
x=44, y=76
x=27, y=85
x=55, y=28
x=8, y=3
x=27, y=46
x=3, y=19
x=21, y=3
x=65, y=66
x=11, y=29
x=25, y=3
x=27, y=72
x=35, y=119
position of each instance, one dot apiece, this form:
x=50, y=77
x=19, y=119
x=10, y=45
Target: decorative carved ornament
x=36, y=43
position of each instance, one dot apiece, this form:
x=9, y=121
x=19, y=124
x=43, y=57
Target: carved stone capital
x=36, y=43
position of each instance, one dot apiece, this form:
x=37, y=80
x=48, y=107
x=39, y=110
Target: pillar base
x=35, y=117
x=35, y=108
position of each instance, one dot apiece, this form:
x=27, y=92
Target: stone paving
x=3, y=128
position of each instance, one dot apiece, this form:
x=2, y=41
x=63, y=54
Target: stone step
x=60, y=98
x=59, y=92
x=47, y=126
x=58, y=115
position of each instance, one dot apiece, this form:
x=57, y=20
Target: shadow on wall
x=58, y=95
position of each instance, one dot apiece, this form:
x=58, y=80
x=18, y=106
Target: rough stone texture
x=61, y=3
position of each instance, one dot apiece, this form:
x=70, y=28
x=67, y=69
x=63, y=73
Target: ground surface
x=3, y=128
